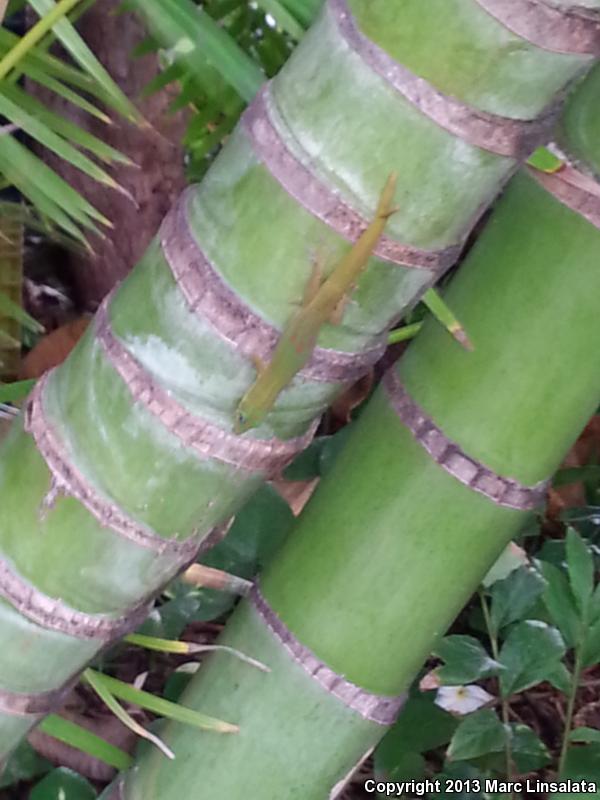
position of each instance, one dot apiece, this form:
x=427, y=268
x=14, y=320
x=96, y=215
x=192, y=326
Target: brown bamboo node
x=51, y=613
x=504, y=136
x=574, y=189
x=68, y=480
x=253, y=455
x=209, y=296
x=24, y=704
x=559, y=28
x=381, y=709
x=323, y=202
x=451, y=457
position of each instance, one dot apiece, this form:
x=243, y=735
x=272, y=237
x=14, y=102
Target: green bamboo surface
x=261, y=243
x=391, y=546
x=577, y=132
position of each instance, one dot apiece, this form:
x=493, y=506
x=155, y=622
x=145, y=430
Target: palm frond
x=219, y=52
x=11, y=272
x=85, y=84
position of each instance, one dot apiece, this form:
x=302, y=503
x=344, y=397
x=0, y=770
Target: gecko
x=323, y=302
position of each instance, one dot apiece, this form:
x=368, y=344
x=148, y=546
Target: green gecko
x=323, y=302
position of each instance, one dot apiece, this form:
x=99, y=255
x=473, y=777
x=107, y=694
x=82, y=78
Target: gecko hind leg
x=338, y=312
x=259, y=365
x=315, y=280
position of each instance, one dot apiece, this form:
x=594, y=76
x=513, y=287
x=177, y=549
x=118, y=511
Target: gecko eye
x=240, y=421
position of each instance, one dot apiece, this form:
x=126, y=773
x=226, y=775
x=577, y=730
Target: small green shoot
x=189, y=648
x=545, y=161
x=157, y=705
x=404, y=334
x=446, y=317
x=98, y=683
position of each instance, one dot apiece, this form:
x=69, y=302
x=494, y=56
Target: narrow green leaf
x=86, y=741
x=98, y=684
x=33, y=177
x=194, y=37
x=50, y=65
x=74, y=44
x=64, y=126
x=188, y=648
x=158, y=705
x=35, y=125
x=446, y=317
x=405, y=333
x=43, y=204
x=64, y=91
x=35, y=34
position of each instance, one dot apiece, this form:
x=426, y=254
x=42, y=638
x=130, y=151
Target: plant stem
x=504, y=704
x=570, y=709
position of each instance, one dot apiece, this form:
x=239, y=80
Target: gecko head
x=244, y=420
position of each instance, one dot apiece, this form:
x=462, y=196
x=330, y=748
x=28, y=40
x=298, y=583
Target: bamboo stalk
x=125, y=458
x=400, y=532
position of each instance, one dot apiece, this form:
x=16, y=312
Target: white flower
x=462, y=699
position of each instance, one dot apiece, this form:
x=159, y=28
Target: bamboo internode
x=563, y=29
x=503, y=136
x=264, y=127
x=209, y=297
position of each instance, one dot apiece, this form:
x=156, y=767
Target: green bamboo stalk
x=125, y=459
x=392, y=545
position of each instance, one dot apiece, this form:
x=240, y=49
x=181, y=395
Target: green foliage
x=23, y=765
x=513, y=596
x=531, y=654
x=12, y=392
x=105, y=685
x=76, y=736
x=542, y=622
x=84, y=84
x=63, y=784
x=466, y=660
x=260, y=528
x=219, y=52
